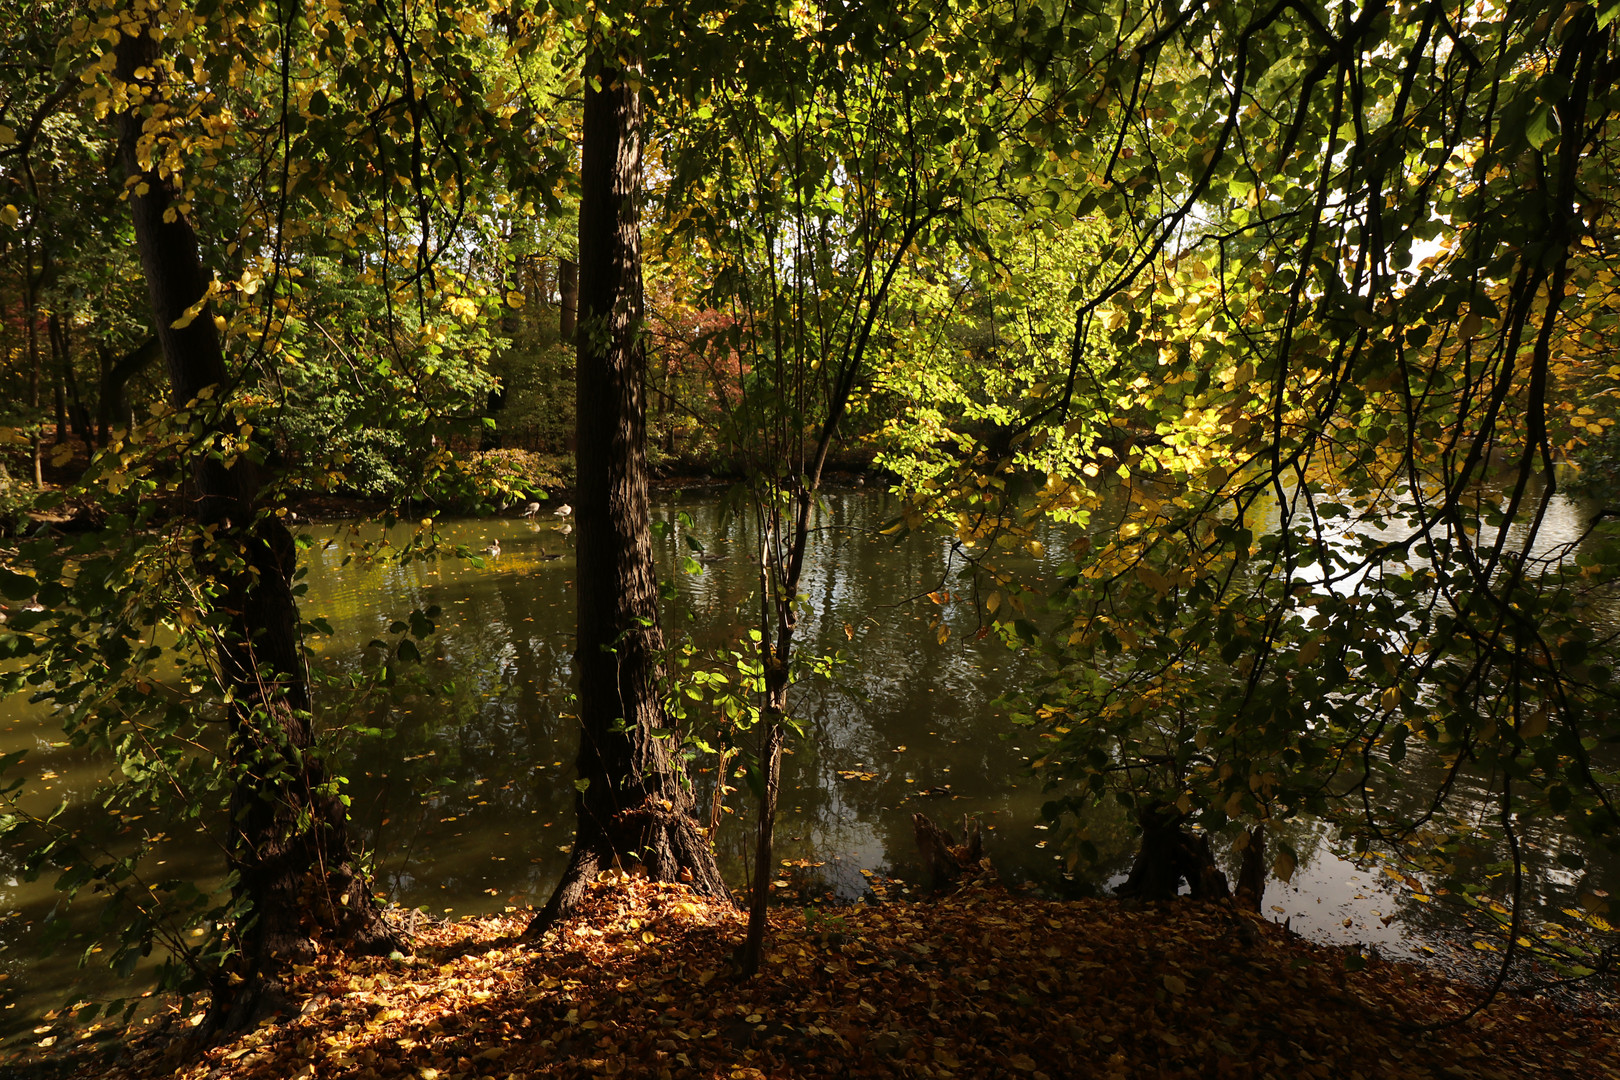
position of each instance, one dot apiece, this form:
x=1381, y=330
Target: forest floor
x=982, y=983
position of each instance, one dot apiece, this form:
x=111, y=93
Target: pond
x=468, y=803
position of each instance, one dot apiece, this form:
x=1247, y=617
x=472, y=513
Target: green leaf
x=17, y=586
x=1542, y=126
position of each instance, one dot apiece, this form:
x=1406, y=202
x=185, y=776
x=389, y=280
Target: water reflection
x=468, y=803
x=466, y=796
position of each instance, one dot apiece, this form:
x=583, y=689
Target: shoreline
x=981, y=982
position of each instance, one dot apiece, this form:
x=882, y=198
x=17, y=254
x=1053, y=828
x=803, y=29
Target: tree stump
x=945, y=859
x=1170, y=855
x=1251, y=882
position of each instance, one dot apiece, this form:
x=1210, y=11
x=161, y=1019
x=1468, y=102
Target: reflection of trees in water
x=496, y=688
x=475, y=732
x=469, y=777
x=1550, y=884
x=903, y=689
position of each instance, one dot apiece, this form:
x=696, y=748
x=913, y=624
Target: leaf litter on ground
x=983, y=983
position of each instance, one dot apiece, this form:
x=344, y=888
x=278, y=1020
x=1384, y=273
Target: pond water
x=468, y=803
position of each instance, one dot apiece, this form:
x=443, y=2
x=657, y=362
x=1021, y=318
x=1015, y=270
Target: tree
x=811, y=188
x=634, y=803
x=289, y=846
x=171, y=639
x=1351, y=242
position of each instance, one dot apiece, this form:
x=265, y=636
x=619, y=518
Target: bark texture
x=289, y=842
x=636, y=808
x=1251, y=882
x=1170, y=855
x=568, y=292
x=115, y=375
x=753, y=950
x=943, y=858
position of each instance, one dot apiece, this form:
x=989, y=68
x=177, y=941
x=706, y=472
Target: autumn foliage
x=981, y=984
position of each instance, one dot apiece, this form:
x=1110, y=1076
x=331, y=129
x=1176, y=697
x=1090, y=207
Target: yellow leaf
x=1153, y=579
x=1283, y=867
x=1175, y=985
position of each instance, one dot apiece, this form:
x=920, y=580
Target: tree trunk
x=1251, y=882
x=943, y=858
x=31, y=314
x=58, y=380
x=289, y=841
x=753, y=950
x=568, y=295
x=103, y=406
x=78, y=415
x=1170, y=855
x=115, y=375
x=635, y=806
x=666, y=414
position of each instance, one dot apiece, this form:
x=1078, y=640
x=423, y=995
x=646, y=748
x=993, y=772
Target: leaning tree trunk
x=635, y=806
x=289, y=841
x=115, y=375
